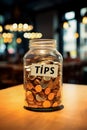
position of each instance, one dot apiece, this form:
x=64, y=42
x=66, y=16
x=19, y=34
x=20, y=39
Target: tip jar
x=43, y=76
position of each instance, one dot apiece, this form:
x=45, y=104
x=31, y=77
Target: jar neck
x=42, y=43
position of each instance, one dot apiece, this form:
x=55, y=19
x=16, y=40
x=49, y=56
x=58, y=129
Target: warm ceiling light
x=30, y=27
x=14, y=25
x=7, y=35
x=1, y=28
x=18, y=40
x=25, y=27
x=19, y=27
x=32, y=35
x=84, y=19
x=7, y=27
x=76, y=35
x=65, y=25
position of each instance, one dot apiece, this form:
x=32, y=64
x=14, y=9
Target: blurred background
x=63, y=20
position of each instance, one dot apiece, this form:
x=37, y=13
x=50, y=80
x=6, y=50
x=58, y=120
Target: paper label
x=44, y=70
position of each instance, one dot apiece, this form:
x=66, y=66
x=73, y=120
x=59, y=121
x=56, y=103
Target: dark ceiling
x=37, y=5
x=22, y=8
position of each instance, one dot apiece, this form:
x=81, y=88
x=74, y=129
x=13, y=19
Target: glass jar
x=43, y=76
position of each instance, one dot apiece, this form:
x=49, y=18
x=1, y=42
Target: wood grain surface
x=73, y=116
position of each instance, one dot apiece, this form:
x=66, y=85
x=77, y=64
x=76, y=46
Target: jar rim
x=35, y=40
x=42, y=42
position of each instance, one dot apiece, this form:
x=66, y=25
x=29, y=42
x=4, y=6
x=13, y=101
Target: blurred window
x=2, y=19
x=70, y=15
x=69, y=37
x=2, y=46
x=83, y=36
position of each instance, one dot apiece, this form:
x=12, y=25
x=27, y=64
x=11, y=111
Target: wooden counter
x=72, y=117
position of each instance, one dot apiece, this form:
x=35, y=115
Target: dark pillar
x=78, y=31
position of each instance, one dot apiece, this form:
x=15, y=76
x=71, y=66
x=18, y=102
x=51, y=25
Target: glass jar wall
x=43, y=76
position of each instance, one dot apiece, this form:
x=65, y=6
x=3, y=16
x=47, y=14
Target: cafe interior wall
x=47, y=23
x=44, y=22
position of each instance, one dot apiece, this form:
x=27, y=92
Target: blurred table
x=10, y=74
x=73, y=116
x=12, y=66
x=84, y=71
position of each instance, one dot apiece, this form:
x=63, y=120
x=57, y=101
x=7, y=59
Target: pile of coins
x=42, y=91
